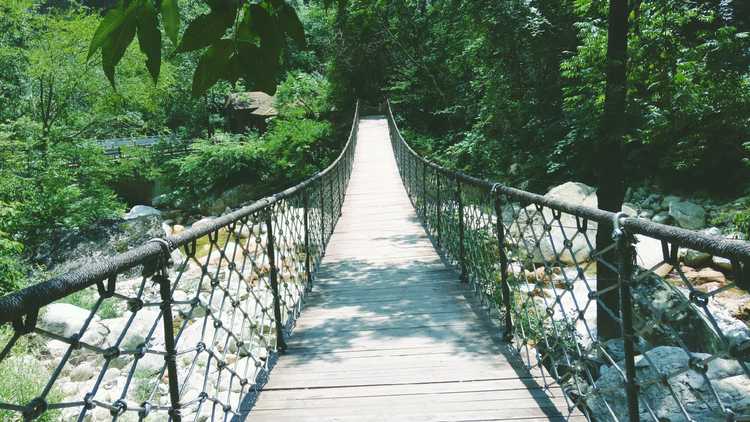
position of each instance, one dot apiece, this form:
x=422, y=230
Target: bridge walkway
x=388, y=333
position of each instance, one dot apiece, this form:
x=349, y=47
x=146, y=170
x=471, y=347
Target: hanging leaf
x=206, y=29
x=170, y=13
x=112, y=22
x=115, y=45
x=149, y=39
x=211, y=66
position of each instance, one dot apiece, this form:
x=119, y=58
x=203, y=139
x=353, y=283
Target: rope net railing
x=624, y=331
x=182, y=328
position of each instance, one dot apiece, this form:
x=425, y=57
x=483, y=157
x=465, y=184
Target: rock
x=742, y=312
x=656, y=301
x=630, y=209
x=647, y=214
x=695, y=258
x=662, y=218
x=688, y=215
x=82, y=372
x=63, y=319
x=693, y=389
x=68, y=250
x=712, y=231
x=578, y=248
x=721, y=263
x=177, y=229
x=668, y=200
x=705, y=275
x=138, y=330
x=139, y=211
x=652, y=201
x=648, y=252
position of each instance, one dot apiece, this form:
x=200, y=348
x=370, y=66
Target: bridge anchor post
x=280, y=343
x=461, y=234
x=306, y=205
x=500, y=229
x=625, y=252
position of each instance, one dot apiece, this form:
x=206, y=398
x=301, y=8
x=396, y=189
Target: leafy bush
x=216, y=164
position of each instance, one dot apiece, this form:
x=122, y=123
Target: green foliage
x=22, y=378
x=217, y=164
x=12, y=270
x=46, y=187
x=514, y=90
x=241, y=40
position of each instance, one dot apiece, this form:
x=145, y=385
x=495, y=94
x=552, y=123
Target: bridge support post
x=500, y=228
x=280, y=343
x=424, y=190
x=461, y=235
x=330, y=191
x=322, y=218
x=438, y=209
x=170, y=346
x=306, y=216
x=625, y=261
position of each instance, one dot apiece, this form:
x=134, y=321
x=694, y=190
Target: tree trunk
x=608, y=162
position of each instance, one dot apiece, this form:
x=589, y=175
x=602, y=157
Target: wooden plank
x=389, y=333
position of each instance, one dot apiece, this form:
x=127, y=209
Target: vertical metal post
x=280, y=343
x=424, y=190
x=170, y=347
x=306, y=216
x=340, y=183
x=330, y=191
x=462, y=246
x=322, y=218
x=625, y=260
x=503, y=265
x=438, y=208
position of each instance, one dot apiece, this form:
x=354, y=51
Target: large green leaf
x=149, y=39
x=206, y=29
x=212, y=66
x=170, y=13
x=112, y=22
x=115, y=45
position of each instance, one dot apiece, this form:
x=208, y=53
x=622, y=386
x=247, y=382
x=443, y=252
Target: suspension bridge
x=387, y=287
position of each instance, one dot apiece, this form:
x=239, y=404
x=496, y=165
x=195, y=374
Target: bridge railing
x=180, y=328
x=626, y=330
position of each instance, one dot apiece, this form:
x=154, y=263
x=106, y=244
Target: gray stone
x=693, y=390
x=630, y=209
x=668, y=200
x=139, y=211
x=688, y=214
x=662, y=218
x=82, y=372
x=712, y=231
x=647, y=214
x=63, y=319
x=553, y=241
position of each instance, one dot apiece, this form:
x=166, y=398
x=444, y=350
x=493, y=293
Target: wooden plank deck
x=389, y=333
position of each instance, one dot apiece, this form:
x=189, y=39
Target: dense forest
x=507, y=90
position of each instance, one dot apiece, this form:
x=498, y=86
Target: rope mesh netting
x=625, y=331
x=181, y=328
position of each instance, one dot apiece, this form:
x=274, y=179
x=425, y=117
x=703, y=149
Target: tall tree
x=608, y=160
